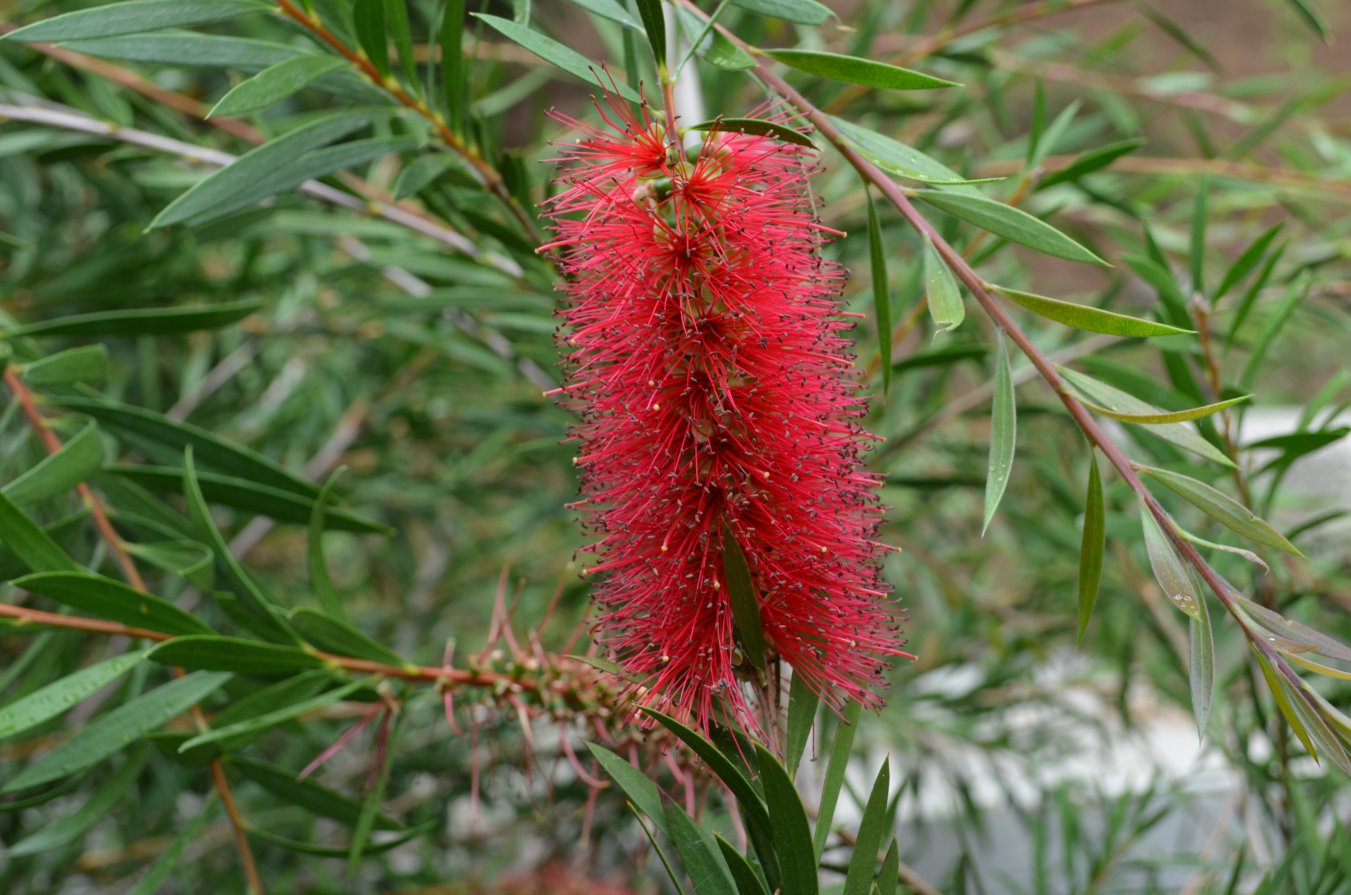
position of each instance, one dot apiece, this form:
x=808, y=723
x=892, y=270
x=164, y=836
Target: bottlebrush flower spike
x=709, y=364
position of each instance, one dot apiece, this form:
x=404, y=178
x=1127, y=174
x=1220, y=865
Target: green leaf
x=1157, y=417
x=745, y=603
x=612, y=10
x=315, y=798
x=1173, y=576
x=1248, y=261
x=422, y=172
x=716, y=49
x=1115, y=400
x=1088, y=162
x=853, y=70
x=941, y=357
x=57, y=473
x=111, y=599
x=699, y=852
x=1312, y=17
x=748, y=881
x=253, y=601
x=555, y=53
x=87, y=363
x=792, y=833
x=898, y=158
x=639, y=788
x=368, y=20
x=1298, y=291
x=401, y=32
x=314, y=553
x=945, y=297
x=1054, y=133
x=1223, y=548
x=140, y=321
x=751, y=805
x=877, y=261
x=189, y=49
x=269, y=720
x=32, y=546
x=1092, y=548
x=274, y=84
x=1222, y=508
x=341, y=851
x=216, y=653
x=61, y=696
x=134, y=17
x=112, y=732
x=888, y=875
x=74, y=825
x=454, y=75
x=1308, y=638
x=163, y=867
x=804, y=12
x=840, y=751
x=1003, y=435
x=278, y=165
x=871, y=831
x=1091, y=319
x=802, y=704
x=1013, y=224
x=1201, y=661
x=243, y=494
x=756, y=126
x=186, y=559
x=1197, y=250
x=146, y=426
x=654, y=25
x=339, y=637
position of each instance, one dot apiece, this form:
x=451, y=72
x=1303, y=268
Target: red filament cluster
x=709, y=364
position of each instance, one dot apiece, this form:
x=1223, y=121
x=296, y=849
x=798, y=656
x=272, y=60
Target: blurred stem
x=110, y=536
x=992, y=307
x=492, y=181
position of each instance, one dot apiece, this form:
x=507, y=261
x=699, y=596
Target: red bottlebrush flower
x=711, y=370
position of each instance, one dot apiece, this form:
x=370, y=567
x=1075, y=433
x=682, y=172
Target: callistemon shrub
x=708, y=361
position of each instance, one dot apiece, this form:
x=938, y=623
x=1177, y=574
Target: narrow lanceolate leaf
x=233, y=654
x=891, y=865
x=111, y=599
x=1093, y=160
x=1162, y=417
x=1100, y=394
x=754, y=126
x=654, y=24
x=1224, y=548
x=57, y=473
x=840, y=751
x=1222, y=508
x=1248, y=261
x=945, y=297
x=112, y=732
x=1312, y=17
x=1169, y=571
x=1092, y=547
x=748, y=881
x=61, y=696
x=905, y=161
x=454, y=75
x=274, y=84
x=1294, y=296
x=745, y=603
x=333, y=635
x=140, y=321
x=271, y=719
x=802, y=704
x=368, y=19
x=1003, y=435
x=314, y=554
x=555, y=53
x=853, y=70
x=804, y=12
x=881, y=294
x=699, y=852
x=1201, y=658
x=315, y=798
x=165, y=862
x=278, y=165
x=135, y=17
x=1013, y=224
x=1302, y=635
x=32, y=546
x=1091, y=319
x=792, y=832
x=639, y=788
x=77, y=823
x=87, y=363
x=871, y=830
